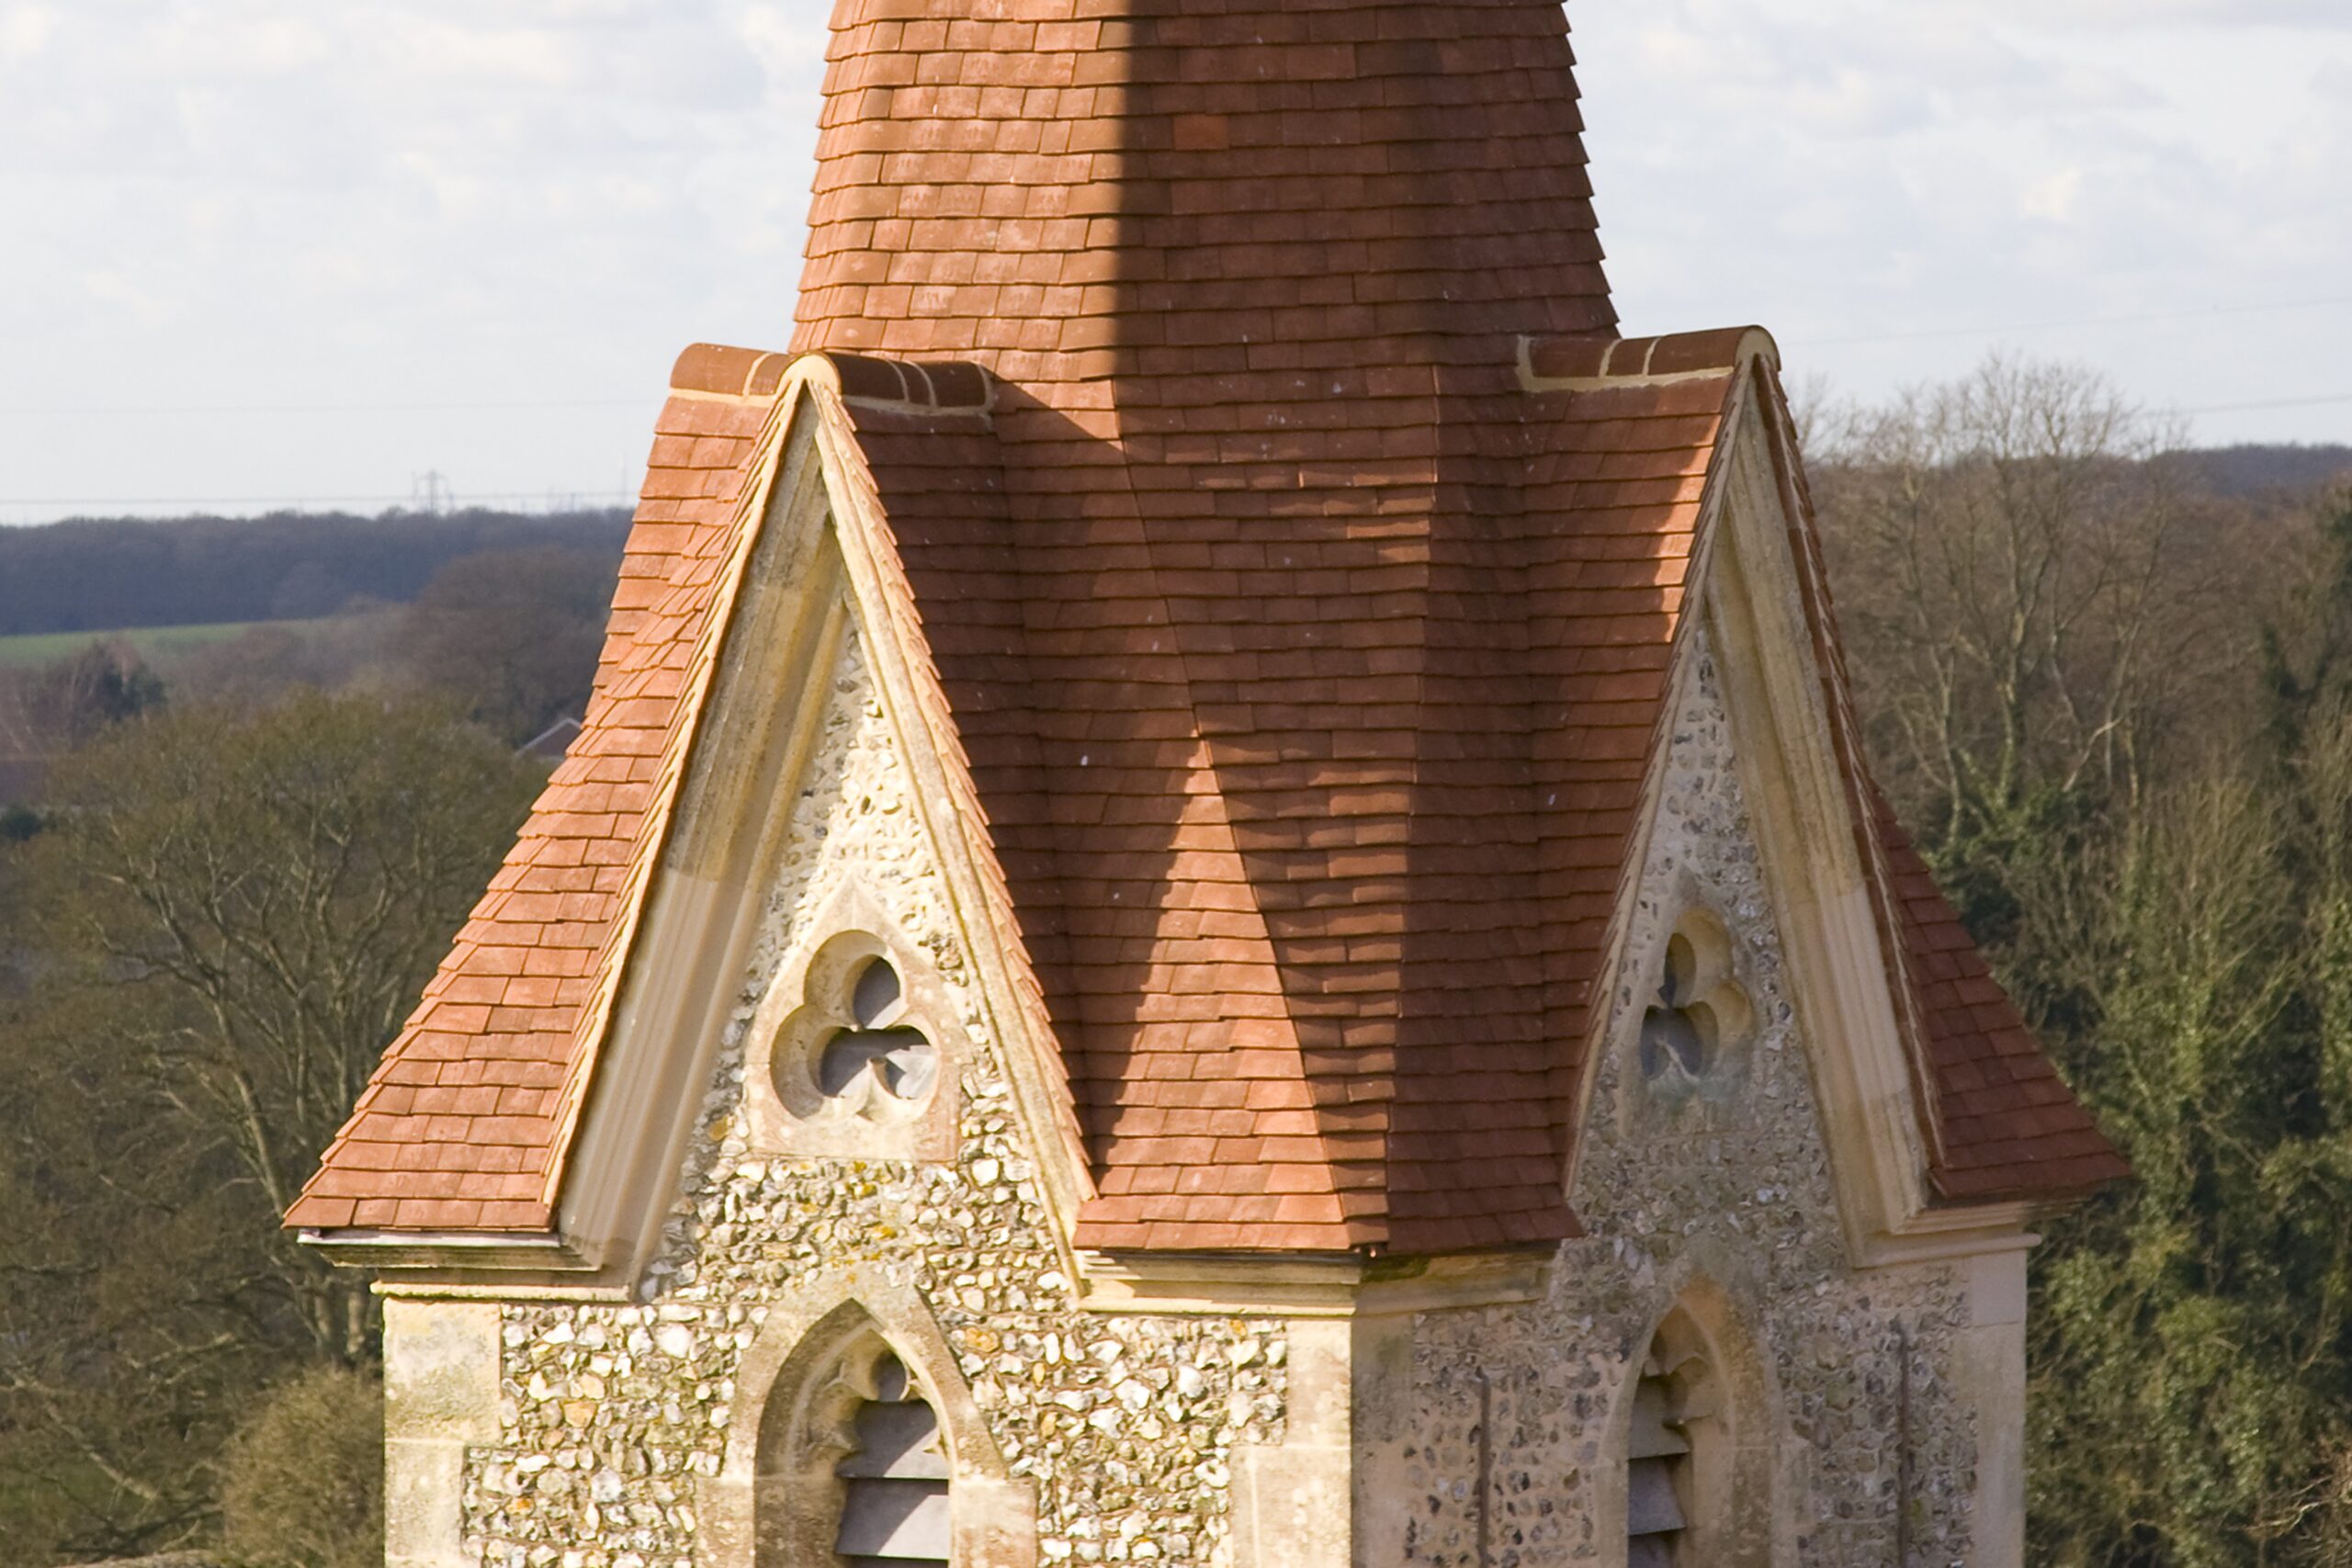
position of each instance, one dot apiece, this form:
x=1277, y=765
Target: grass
x=155, y=644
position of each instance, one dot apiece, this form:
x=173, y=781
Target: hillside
x=2255, y=470
x=94, y=575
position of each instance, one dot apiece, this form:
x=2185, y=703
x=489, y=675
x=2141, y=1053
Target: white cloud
x=2055, y=198
x=25, y=31
x=407, y=201
x=270, y=202
x=2109, y=14
x=1861, y=171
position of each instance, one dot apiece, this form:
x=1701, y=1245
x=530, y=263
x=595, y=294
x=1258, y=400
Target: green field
x=155, y=644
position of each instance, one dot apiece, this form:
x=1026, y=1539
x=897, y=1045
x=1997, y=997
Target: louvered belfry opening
x=894, y=1504
x=1659, y=1464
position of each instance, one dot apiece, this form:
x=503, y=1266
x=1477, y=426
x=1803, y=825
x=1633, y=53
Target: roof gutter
x=395, y=1252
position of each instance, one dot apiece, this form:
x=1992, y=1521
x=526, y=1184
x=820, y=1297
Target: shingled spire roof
x=1152, y=193
x=1306, y=659
x=1274, y=262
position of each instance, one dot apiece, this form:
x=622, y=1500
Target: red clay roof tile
x=510, y=996
x=1297, y=556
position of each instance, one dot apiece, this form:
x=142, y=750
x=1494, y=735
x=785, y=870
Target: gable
x=708, y=698
x=462, y=1126
x=1352, y=1012
x=1899, y=1008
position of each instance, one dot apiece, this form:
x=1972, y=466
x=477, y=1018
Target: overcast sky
x=279, y=251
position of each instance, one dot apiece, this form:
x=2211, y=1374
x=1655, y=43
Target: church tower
x=1219, y=905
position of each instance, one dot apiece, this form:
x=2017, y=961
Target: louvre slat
x=900, y=1440
x=905, y=1520
x=1650, y=1506
x=1652, y=1437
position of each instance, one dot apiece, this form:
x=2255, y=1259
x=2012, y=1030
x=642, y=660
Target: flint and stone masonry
x=1218, y=906
x=575, y=1436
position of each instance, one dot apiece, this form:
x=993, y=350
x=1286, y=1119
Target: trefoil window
x=1700, y=1015
x=880, y=1053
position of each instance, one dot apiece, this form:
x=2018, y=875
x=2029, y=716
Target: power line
x=96, y=409
x=525, y=405
x=2274, y=403
x=1918, y=336
x=2284, y=305
x=569, y=497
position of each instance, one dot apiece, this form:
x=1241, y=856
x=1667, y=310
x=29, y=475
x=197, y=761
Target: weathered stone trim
x=1840, y=980
x=1233, y=1285
x=784, y=1112
x=440, y=1396
x=808, y=1331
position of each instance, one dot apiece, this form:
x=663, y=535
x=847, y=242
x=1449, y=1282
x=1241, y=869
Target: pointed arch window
x=1659, y=1466
x=1699, y=1447
x=853, y=1469
x=850, y=1446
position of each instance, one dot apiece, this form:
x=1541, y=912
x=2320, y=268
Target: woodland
x=98, y=574
x=2107, y=681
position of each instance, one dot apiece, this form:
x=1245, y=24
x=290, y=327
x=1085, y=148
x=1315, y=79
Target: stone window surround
x=1673, y=1102
x=784, y=1112
x=1698, y=981
x=775, y=1479
x=1731, y=1520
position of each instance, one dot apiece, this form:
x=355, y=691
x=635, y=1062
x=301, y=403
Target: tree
x=229, y=914
x=513, y=635
x=2120, y=710
x=2036, y=600
x=63, y=704
x=302, y=1484
x=2176, y=1401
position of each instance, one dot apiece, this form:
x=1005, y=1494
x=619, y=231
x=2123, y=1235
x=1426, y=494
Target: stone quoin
x=1219, y=905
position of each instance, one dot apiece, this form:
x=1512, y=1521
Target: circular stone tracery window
x=855, y=1047
x=1700, y=1015
x=879, y=1059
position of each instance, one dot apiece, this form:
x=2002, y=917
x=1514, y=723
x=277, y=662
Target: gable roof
x=2008, y=1125
x=462, y=1124
x=1302, y=664
x=1316, y=838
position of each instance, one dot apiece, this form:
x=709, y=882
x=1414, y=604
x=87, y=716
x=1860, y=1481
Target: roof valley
x=1257, y=256
x=1300, y=558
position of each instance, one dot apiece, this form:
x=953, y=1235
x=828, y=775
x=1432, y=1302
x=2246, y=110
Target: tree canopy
x=229, y=915
x=2114, y=705
x=2108, y=682
x=103, y=574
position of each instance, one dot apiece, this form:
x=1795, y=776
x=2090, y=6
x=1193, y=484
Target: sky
x=267, y=253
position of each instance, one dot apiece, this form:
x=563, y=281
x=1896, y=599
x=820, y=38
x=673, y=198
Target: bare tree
x=2032, y=588
x=513, y=635
x=227, y=919
x=51, y=709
